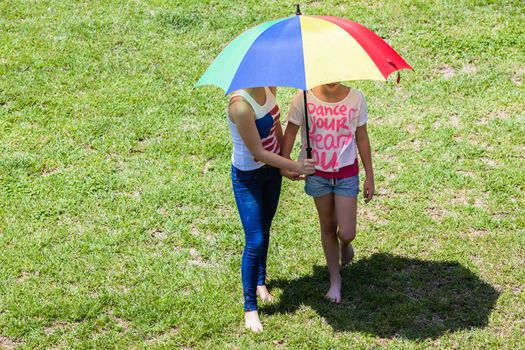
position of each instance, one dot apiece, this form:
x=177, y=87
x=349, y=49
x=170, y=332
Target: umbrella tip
x=298, y=10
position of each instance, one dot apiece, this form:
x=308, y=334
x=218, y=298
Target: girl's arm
x=286, y=148
x=363, y=145
x=289, y=139
x=243, y=116
x=279, y=133
x=278, y=128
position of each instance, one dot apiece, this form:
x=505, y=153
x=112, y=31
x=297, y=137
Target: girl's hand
x=368, y=189
x=292, y=175
x=308, y=167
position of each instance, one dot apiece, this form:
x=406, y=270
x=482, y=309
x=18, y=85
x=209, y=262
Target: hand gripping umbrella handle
x=308, y=148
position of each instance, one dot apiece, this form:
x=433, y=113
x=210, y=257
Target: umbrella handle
x=308, y=148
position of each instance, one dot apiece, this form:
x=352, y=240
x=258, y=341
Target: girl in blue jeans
x=254, y=122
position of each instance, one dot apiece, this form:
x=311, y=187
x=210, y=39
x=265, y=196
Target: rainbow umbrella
x=302, y=52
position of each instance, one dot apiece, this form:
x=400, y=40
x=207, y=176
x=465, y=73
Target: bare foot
x=252, y=321
x=347, y=254
x=264, y=294
x=334, y=293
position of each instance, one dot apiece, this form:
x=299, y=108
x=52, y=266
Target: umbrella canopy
x=302, y=52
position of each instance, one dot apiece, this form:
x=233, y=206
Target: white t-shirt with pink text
x=332, y=128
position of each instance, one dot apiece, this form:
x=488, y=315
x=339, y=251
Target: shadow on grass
x=390, y=296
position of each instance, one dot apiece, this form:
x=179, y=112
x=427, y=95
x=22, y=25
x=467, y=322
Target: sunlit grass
x=117, y=222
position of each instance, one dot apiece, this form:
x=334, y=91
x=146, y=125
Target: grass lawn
x=118, y=227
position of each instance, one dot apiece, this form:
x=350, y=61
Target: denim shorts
x=317, y=186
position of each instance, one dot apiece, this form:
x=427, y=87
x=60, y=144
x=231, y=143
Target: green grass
x=117, y=222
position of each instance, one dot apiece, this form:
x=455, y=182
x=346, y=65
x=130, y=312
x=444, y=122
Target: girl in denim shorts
x=337, y=118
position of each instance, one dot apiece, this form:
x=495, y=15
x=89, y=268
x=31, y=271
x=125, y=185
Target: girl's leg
x=326, y=210
x=251, y=212
x=271, y=193
x=346, y=213
x=248, y=197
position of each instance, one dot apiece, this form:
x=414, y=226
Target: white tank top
x=266, y=117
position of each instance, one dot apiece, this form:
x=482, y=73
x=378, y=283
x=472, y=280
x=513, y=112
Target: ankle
x=335, y=278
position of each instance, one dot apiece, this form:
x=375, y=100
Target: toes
x=255, y=329
x=269, y=299
x=345, y=263
x=266, y=298
x=264, y=294
x=333, y=299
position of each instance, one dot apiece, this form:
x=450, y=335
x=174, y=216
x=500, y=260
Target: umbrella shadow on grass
x=391, y=296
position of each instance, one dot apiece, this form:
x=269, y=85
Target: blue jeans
x=257, y=195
